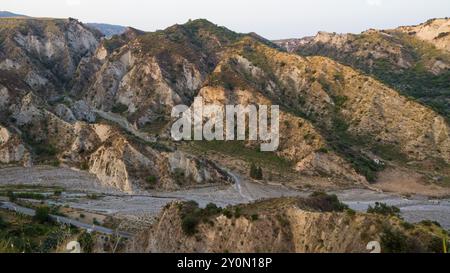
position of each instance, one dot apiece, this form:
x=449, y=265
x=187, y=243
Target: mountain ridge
x=87, y=98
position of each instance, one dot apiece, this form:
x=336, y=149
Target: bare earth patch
x=408, y=182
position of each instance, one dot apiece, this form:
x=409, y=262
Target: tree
x=12, y=197
x=256, y=172
x=259, y=174
x=2, y=222
x=253, y=171
x=42, y=214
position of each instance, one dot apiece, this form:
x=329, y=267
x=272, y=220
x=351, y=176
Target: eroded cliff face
x=143, y=75
x=324, y=105
x=274, y=226
x=435, y=31
x=413, y=59
x=103, y=105
x=12, y=150
x=45, y=53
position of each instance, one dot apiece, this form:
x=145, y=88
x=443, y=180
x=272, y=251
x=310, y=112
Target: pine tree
x=253, y=171
x=259, y=174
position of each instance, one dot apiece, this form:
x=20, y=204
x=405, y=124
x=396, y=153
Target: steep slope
x=435, y=31
x=318, y=224
x=353, y=115
x=71, y=97
x=414, y=60
x=44, y=52
x=142, y=75
x=6, y=14
x=42, y=123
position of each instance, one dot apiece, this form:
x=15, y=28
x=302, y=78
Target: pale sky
x=273, y=19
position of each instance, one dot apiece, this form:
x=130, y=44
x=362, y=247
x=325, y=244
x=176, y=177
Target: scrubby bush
x=189, y=224
x=86, y=241
x=179, y=176
x=383, y=209
x=254, y=217
x=2, y=222
x=256, y=172
x=228, y=213
x=395, y=241
x=192, y=215
x=42, y=214
x=151, y=180
x=325, y=202
x=11, y=196
x=429, y=223
x=119, y=108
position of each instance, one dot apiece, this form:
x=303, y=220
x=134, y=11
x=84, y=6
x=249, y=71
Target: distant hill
x=108, y=30
x=4, y=14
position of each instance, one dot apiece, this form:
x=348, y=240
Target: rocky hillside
x=42, y=123
x=435, y=31
x=70, y=96
x=4, y=14
x=345, y=122
x=414, y=60
x=318, y=224
x=107, y=29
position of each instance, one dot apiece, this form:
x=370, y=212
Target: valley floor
x=135, y=211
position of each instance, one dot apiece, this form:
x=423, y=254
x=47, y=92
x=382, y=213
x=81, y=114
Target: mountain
x=107, y=29
x=72, y=97
x=414, y=60
x=42, y=123
x=4, y=14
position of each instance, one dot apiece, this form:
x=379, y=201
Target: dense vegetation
x=19, y=233
x=416, y=81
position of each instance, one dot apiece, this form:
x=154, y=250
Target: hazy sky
x=273, y=19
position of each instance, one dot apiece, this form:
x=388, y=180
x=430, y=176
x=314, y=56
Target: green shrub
x=84, y=166
x=86, y=241
x=42, y=214
x=179, y=176
x=192, y=215
x=325, y=202
x=322, y=150
x=395, y=241
x=256, y=172
x=2, y=223
x=407, y=225
x=93, y=196
x=429, y=223
x=212, y=209
x=383, y=209
x=151, y=180
x=228, y=213
x=119, y=108
x=30, y=195
x=189, y=224
x=254, y=217
x=237, y=212
x=11, y=196
x=350, y=212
